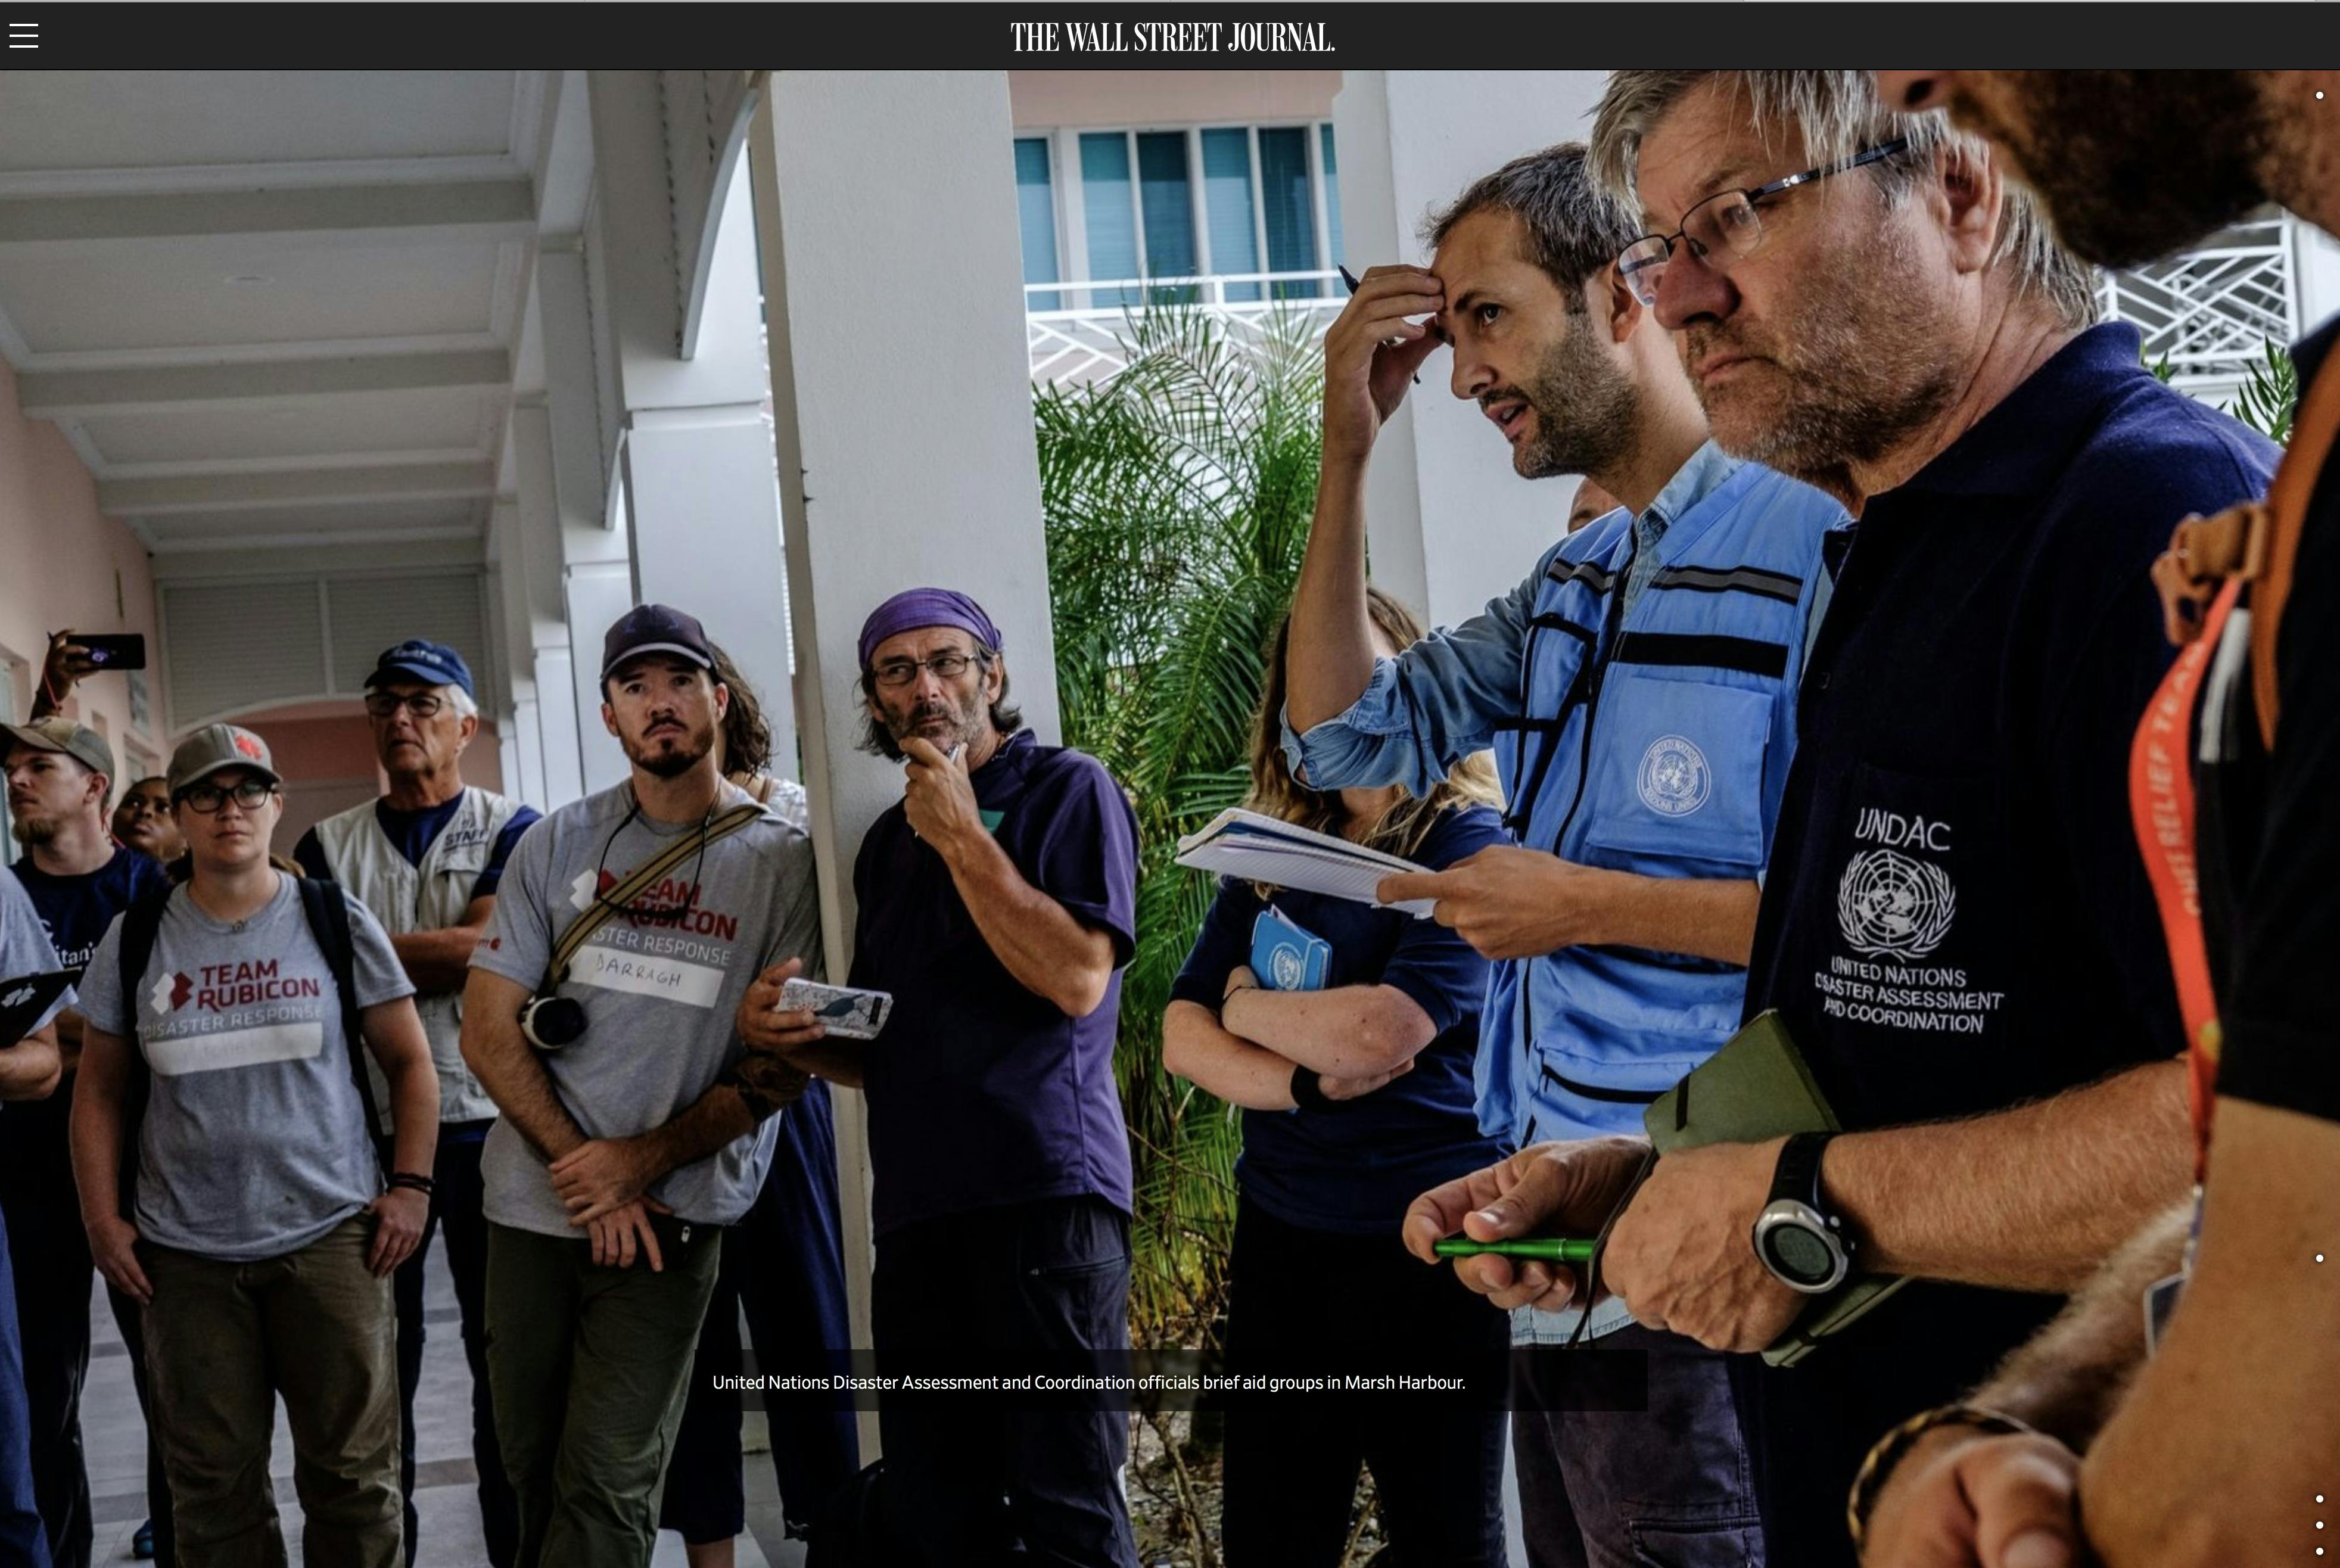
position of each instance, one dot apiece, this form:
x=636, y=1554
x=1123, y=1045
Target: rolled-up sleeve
x=1426, y=709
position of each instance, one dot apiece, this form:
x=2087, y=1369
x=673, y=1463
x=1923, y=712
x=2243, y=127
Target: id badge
x=2161, y=1295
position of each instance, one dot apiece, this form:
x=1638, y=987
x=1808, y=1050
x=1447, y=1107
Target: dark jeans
x=131, y=1320
x=53, y=1272
x=1290, y=1477
x=1667, y=1487
x=23, y=1543
x=455, y=1212
x=963, y=1479
x=784, y=1262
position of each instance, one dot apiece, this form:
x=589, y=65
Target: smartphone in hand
x=113, y=651
x=848, y=1014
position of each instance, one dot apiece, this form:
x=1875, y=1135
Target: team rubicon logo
x=1674, y=779
x=170, y=993
x=1891, y=905
x=16, y=998
x=250, y=746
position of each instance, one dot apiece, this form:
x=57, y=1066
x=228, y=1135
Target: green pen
x=1544, y=1249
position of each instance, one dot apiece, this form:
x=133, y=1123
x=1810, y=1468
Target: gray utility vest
x=427, y=897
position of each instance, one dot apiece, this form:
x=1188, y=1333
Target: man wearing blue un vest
x=1639, y=691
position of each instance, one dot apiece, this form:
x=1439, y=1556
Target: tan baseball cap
x=59, y=733
x=218, y=745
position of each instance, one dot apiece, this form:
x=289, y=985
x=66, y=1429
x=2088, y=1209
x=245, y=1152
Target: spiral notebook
x=1251, y=848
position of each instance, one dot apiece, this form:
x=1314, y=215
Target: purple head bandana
x=916, y=607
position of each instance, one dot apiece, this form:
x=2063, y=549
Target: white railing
x=2209, y=312
x=1079, y=331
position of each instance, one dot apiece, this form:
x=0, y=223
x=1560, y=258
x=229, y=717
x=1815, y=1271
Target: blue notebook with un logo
x=1286, y=958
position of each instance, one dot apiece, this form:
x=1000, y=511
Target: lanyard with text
x=2161, y=803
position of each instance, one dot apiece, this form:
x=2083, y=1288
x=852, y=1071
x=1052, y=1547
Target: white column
x=1449, y=525
x=903, y=403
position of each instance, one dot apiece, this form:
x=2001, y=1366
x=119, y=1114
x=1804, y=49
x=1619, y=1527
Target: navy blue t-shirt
x=1354, y=1169
x=1956, y=918
x=414, y=833
x=76, y=911
x=981, y=1092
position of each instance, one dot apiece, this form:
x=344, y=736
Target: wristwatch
x=1796, y=1237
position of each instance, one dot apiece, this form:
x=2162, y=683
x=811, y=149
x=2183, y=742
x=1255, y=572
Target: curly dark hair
x=879, y=740
x=746, y=733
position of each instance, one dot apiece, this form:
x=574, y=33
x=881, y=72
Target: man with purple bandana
x=998, y=905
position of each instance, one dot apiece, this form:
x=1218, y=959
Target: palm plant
x=1177, y=497
x=2270, y=395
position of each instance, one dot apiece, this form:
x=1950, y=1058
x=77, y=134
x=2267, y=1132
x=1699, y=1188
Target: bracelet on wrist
x=411, y=1181
x=1889, y=1449
x=1308, y=1091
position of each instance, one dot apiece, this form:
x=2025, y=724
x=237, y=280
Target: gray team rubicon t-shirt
x=254, y=1142
x=659, y=982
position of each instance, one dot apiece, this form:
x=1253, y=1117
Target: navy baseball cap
x=432, y=663
x=656, y=628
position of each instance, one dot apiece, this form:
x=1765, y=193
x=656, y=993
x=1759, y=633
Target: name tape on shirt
x=211, y=1052
x=670, y=980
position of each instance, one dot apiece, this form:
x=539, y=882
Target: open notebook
x=1257, y=848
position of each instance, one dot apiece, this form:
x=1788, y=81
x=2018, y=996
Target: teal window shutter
x=1227, y=207
x=1035, y=219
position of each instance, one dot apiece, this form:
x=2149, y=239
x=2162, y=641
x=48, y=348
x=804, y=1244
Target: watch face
x=1800, y=1254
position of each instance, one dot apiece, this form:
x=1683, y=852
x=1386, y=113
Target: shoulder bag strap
x=636, y=883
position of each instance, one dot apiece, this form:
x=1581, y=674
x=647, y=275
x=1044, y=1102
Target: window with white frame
x=1256, y=204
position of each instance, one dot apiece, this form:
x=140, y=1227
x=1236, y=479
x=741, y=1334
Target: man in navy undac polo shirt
x=1955, y=925
x=998, y=905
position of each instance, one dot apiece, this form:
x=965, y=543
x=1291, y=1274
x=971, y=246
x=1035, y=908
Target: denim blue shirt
x=1653, y=740
x=1691, y=484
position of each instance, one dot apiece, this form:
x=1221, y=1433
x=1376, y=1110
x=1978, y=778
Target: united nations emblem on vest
x=1892, y=904
x=1674, y=779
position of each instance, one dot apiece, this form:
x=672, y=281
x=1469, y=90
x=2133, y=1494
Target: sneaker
x=142, y=1544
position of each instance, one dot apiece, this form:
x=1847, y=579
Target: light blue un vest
x=1654, y=742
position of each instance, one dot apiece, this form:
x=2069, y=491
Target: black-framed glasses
x=902, y=672
x=1726, y=225
x=208, y=799
x=421, y=704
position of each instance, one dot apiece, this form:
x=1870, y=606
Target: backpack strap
x=2256, y=543
x=328, y=910
x=141, y=925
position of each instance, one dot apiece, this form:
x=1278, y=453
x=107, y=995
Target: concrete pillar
x=901, y=394
x=1449, y=525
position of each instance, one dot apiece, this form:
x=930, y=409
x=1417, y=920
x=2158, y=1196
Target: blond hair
x=1401, y=828
x=1839, y=114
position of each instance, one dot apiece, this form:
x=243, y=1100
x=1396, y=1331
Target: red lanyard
x=2161, y=803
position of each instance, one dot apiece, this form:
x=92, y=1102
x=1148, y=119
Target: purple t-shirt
x=980, y=1092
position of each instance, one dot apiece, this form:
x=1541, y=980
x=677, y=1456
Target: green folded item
x=1755, y=1089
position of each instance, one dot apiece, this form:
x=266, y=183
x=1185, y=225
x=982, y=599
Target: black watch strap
x=1798, y=1174
x=1308, y=1093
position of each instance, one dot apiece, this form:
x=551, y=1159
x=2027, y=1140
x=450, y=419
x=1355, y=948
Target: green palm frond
x=1177, y=497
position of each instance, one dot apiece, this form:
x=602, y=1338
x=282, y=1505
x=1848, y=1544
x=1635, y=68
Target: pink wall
x=68, y=565
x=1044, y=100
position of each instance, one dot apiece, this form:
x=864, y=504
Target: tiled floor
x=445, y=1497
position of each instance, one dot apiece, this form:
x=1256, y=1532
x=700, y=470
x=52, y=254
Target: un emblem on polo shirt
x=1674, y=779
x=1895, y=906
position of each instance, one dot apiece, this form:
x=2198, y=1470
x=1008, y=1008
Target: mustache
x=1494, y=395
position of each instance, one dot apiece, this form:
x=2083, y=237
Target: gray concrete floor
x=446, y=1499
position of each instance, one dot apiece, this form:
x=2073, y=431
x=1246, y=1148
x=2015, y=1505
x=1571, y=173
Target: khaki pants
x=589, y=1367
x=222, y=1341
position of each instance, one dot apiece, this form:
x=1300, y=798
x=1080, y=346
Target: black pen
x=1352, y=289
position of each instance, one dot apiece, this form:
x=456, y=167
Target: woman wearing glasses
x=258, y=1229
x=1353, y=1070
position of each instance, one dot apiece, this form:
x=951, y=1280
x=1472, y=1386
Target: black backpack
x=328, y=910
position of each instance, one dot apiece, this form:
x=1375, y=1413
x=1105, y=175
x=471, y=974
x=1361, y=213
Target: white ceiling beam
x=495, y=209
x=162, y=389
x=301, y=487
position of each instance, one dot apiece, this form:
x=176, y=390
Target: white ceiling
x=271, y=308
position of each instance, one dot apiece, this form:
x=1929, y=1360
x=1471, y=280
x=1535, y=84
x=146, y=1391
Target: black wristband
x=1308, y=1091
x=410, y=1182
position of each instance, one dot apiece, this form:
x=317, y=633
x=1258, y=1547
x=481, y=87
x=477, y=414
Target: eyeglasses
x=208, y=799
x=421, y=704
x=946, y=666
x=1725, y=226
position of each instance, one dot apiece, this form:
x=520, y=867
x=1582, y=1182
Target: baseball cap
x=218, y=745
x=59, y=733
x=656, y=628
x=434, y=663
